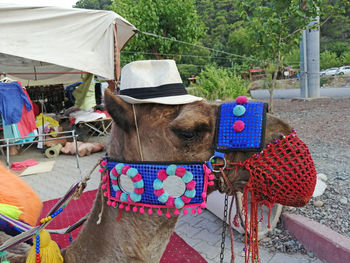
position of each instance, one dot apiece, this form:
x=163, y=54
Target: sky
x=62, y=3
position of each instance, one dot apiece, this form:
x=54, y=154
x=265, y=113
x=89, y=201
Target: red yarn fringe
x=251, y=247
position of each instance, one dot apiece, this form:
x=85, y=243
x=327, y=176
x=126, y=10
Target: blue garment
x=11, y=131
x=12, y=98
x=69, y=91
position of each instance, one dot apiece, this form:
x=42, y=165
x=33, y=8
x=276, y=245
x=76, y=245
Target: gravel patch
x=324, y=125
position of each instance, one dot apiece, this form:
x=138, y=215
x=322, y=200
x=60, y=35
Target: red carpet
x=176, y=251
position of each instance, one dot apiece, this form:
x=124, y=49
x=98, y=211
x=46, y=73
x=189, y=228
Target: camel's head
x=178, y=133
x=155, y=120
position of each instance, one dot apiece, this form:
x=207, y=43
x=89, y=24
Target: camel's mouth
x=282, y=173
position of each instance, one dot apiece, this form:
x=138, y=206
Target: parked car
x=344, y=70
x=329, y=72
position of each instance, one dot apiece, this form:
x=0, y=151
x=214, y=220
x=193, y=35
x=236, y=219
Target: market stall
x=46, y=47
x=54, y=45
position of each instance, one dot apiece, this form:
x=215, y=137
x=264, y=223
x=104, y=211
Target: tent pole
x=116, y=58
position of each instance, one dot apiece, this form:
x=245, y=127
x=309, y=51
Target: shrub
x=216, y=83
x=329, y=59
x=346, y=58
x=186, y=70
x=323, y=81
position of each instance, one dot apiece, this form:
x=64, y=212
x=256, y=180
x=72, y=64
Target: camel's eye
x=190, y=133
x=185, y=134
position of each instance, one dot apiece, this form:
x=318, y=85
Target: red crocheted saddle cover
x=283, y=173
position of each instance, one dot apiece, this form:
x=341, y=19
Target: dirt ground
x=324, y=124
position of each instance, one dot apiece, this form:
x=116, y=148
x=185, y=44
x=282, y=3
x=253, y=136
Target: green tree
x=240, y=40
x=218, y=83
x=292, y=58
x=337, y=26
x=335, y=30
x=345, y=58
x=94, y=4
x=336, y=46
x=199, y=57
x=277, y=25
x=329, y=59
x=219, y=17
x=166, y=18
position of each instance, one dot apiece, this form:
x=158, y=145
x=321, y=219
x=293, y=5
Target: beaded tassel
x=50, y=217
x=37, y=248
x=44, y=250
x=51, y=252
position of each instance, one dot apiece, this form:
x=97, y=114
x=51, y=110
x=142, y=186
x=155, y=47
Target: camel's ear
x=120, y=111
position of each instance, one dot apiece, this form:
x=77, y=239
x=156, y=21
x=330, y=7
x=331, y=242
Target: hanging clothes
x=10, y=131
x=25, y=127
x=12, y=99
x=27, y=123
x=69, y=91
x=84, y=94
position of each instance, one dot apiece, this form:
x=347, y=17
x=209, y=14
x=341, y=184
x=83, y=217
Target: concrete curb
x=325, y=243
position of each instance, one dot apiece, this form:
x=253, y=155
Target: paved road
x=202, y=232
x=263, y=94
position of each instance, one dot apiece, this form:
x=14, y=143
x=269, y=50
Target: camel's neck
x=136, y=238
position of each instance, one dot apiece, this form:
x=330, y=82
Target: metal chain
x=223, y=234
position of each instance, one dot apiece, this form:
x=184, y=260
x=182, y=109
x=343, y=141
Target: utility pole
x=310, y=60
x=313, y=59
x=303, y=67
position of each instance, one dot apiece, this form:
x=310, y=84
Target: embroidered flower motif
x=166, y=198
x=136, y=178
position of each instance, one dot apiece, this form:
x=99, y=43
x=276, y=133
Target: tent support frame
x=116, y=56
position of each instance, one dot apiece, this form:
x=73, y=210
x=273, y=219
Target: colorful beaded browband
x=148, y=186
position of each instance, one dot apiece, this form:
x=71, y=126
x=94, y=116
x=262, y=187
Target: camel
x=167, y=133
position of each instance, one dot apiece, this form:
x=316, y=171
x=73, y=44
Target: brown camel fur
x=167, y=133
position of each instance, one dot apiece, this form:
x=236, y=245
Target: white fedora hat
x=153, y=81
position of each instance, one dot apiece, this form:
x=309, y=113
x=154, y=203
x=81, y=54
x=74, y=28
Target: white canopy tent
x=54, y=45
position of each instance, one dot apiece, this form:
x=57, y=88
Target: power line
x=183, y=55
x=203, y=66
x=196, y=65
x=187, y=55
x=196, y=45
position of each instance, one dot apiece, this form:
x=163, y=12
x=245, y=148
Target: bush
x=329, y=59
x=186, y=70
x=216, y=83
x=346, y=58
x=336, y=46
x=323, y=81
x=292, y=58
